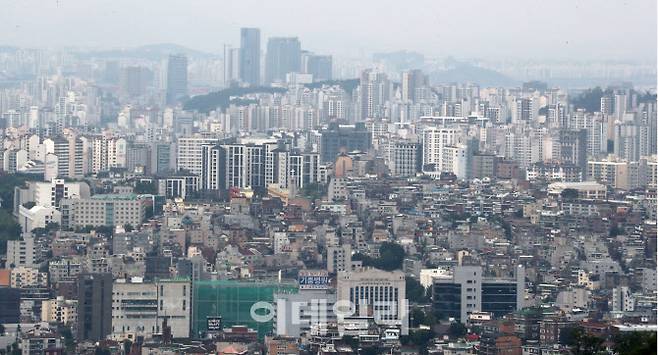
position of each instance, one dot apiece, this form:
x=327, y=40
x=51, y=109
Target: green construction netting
x=232, y=300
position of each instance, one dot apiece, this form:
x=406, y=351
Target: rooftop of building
x=114, y=197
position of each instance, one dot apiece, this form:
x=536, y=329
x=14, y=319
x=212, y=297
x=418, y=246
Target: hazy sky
x=532, y=29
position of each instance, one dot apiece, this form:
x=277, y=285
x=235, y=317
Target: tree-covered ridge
x=349, y=85
x=9, y=228
x=590, y=99
x=222, y=99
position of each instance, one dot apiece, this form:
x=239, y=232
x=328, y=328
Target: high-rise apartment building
x=339, y=258
x=176, y=78
x=320, y=66
x=257, y=166
x=412, y=80
x=374, y=92
x=524, y=110
x=403, y=158
x=105, y=153
x=626, y=141
x=94, y=306
x=573, y=147
x=343, y=138
x=22, y=252
x=190, y=153
x=250, y=56
x=231, y=65
x=435, y=141
x=619, y=174
x=135, y=80
x=162, y=159
x=69, y=153
x=283, y=57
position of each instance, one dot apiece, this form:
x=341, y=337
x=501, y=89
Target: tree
x=590, y=99
x=615, y=250
x=569, y=194
x=314, y=191
x=615, y=230
x=107, y=231
x=568, y=335
x=645, y=97
x=222, y=99
x=351, y=341
x=417, y=317
x=419, y=338
x=145, y=188
x=635, y=343
x=457, y=330
x=580, y=342
x=415, y=291
x=391, y=256
x=371, y=350
x=127, y=345
x=69, y=342
x=7, y=185
x=13, y=349
x=39, y=232
x=9, y=230
x=2, y=329
x=128, y=227
x=102, y=351
x=348, y=84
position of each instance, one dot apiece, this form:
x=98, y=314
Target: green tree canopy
x=415, y=291
x=145, y=187
x=457, y=330
x=391, y=256
x=635, y=343
x=222, y=99
x=420, y=338
x=9, y=230
x=351, y=341
x=580, y=342
x=569, y=193
x=590, y=99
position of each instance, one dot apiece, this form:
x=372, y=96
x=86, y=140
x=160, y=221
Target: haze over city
x=328, y=177
x=518, y=29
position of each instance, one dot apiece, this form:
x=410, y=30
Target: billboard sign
x=214, y=323
x=313, y=279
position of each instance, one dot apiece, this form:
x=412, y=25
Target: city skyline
x=349, y=178
x=351, y=29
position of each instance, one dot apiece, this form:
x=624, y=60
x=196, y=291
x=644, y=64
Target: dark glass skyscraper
x=320, y=66
x=336, y=139
x=284, y=55
x=250, y=56
x=94, y=306
x=176, y=78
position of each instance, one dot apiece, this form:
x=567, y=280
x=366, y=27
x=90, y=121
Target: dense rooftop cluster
x=296, y=212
